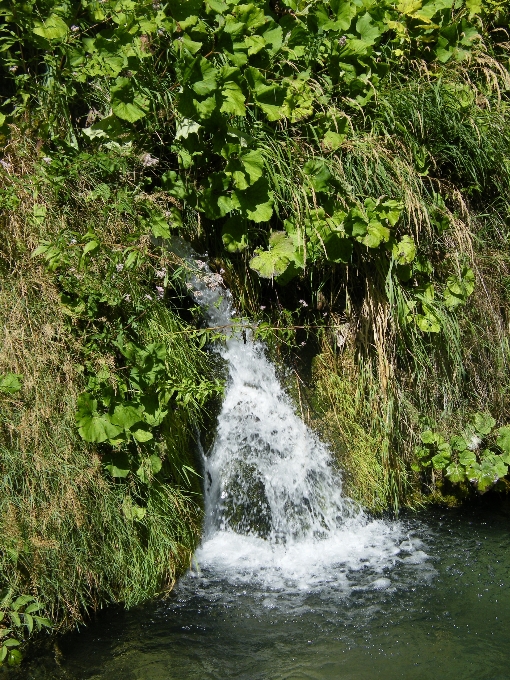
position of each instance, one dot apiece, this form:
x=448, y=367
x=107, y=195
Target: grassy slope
x=64, y=536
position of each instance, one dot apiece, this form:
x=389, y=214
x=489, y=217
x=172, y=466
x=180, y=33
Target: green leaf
x=376, y=234
x=455, y=473
x=404, y=252
x=269, y=97
x=428, y=437
x=233, y=100
x=117, y=464
x=126, y=415
x=54, y=28
x=156, y=464
x=125, y=104
x=255, y=202
x=132, y=511
x=428, y=322
x=483, y=423
x=142, y=434
x=458, y=443
x=234, y=234
x=503, y=441
x=11, y=642
x=274, y=262
x=333, y=140
x=441, y=460
x=338, y=247
x=10, y=383
x=467, y=458
x=14, y=657
x=90, y=247
x=159, y=226
x=318, y=174
x=29, y=622
x=368, y=30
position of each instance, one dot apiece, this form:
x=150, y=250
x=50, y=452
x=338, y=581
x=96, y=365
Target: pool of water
x=439, y=607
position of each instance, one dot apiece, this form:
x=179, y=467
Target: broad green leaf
x=125, y=104
x=441, y=460
x=333, y=140
x=117, y=464
x=234, y=234
x=428, y=437
x=132, y=511
x=160, y=227
x=256, y=202
x=14, y=657
x=428, y=322
x=142, y=434
x=503, y=441
x=376, y=234
x=125, y=416
x=483, y=423
x=318, y=174
x=455, y=473
x=90, y=247
x=208, y=74
x=156, y=464
x=54, y=28
x=233, y=100
x=467, y=458
x=458, y=443
x=368, y=30
x=338, y=247
x=281, y=254
x=404, y=252
x=10, y=383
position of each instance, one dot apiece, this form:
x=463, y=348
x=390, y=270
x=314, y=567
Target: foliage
x=358, y=151
x=18, y=617
x=78, y=329
x=480, y=455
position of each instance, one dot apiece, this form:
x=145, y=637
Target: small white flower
x=200, y=264
x=13, y=69
x=75, y=28
x=127, y=297
x=198, y=293
x=222, y=271
x=303, y=343
x=46, y=159
x=72, y=242
x=262, y=307
x=5, y=165
x=160, y=292
x=119, y=267
x=148, y=161
x=160, y=273
x=148, y=297
x=189, y=286
x=303, y=303
x=474, y=443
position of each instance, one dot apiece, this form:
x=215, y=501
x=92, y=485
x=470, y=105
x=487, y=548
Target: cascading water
x=275, y=512
x=292, y=580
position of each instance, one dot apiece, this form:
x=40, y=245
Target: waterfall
x=275, y=511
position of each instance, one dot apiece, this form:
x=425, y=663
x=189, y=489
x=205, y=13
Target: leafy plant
x=480, y=455
x=18, y=618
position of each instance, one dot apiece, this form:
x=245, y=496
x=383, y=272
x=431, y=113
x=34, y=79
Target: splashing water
x=276, y=516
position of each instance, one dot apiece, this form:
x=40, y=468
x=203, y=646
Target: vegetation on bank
x=345, y=165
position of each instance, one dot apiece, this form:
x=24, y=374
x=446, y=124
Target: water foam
x=276, y=516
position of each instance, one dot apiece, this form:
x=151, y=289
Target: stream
x=293, y=579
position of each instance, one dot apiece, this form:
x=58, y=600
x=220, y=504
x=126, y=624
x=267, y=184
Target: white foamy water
x=276, y=517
